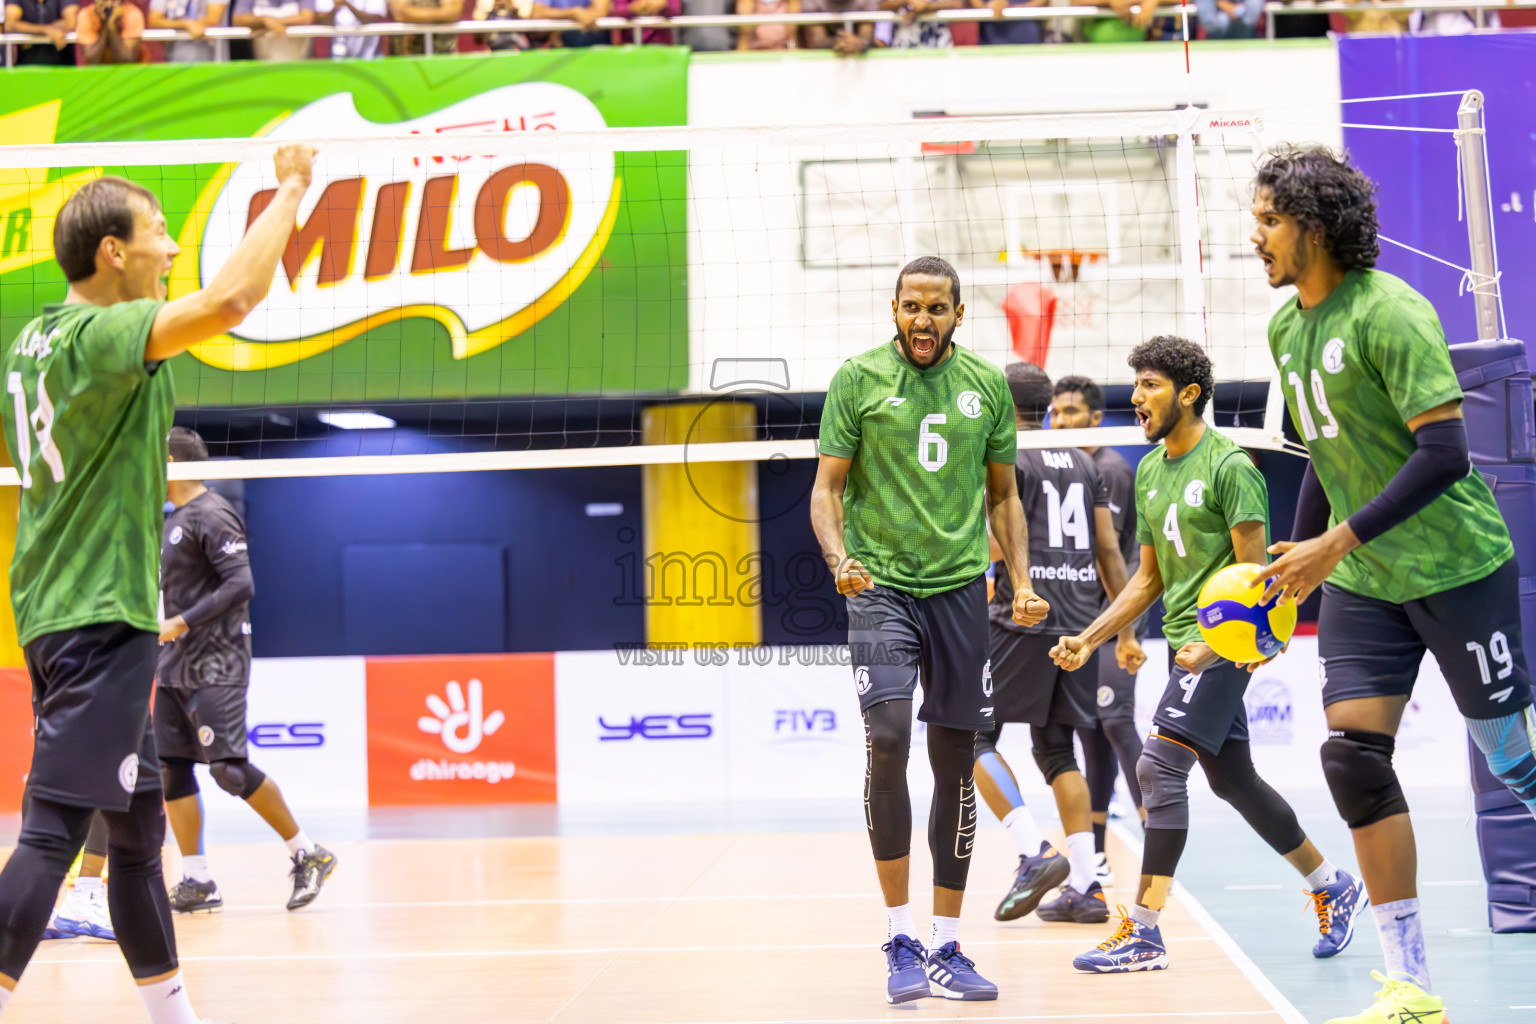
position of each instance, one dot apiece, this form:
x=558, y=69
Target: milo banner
x=406, y=278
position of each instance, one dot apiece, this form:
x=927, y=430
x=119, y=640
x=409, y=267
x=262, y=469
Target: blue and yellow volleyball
x=1233, y=621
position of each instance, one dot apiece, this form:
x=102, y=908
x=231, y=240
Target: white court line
x=1234, y=952
x=1033, y=1016
x=598, y=900
x=584, y=951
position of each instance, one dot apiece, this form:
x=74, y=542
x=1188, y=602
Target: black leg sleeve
x=887, y=803
x=96, y=838
x=51, y=836
x=952, y=818
x=1234, y=779
x=141, y=913
x=1126, y=741
x=1099, y=767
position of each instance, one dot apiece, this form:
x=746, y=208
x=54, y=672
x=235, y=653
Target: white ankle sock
x=1326, y=874
x=898, y=921
x=195, y=867
x=1145, y=916
x=85, y=886
x=1402, y=939
x=167, y=1002
x=1023, y=831
x=299, y=843
x=1082, y=858
x=945, y=929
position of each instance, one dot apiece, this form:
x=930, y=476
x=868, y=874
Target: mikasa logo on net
x=483, y=244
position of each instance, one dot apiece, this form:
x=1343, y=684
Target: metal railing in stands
x=637, y=26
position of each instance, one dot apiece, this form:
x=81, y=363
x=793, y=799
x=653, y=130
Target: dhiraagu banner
x=406, y=278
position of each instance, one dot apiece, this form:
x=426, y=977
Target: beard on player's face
x=1158, y=410
x=933, y=345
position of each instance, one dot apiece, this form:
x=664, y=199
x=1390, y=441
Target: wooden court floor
x=633, y=929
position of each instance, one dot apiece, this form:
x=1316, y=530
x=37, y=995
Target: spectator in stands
x=193, y=17
x=428, y=12
x=270, y=19
x=911, y=34
x=503, y=10
x=766, y=37
x=1130, y=24
x=847, y=39
x=111, y=32
x=49, y=20
x=1449, y=23
x=584, y=13
x=345, y=14
x=1003, y=31
x=646, y=9
x=1376, y=20
x=714, y=37
x=1229, y=19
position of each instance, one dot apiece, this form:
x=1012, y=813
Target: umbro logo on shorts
x=1174, y=712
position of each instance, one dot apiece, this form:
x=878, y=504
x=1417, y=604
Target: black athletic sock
x=1099, y=828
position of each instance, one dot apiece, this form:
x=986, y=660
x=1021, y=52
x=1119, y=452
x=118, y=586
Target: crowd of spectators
x=111, y=31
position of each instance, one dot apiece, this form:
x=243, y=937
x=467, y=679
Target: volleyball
x=1234, y=622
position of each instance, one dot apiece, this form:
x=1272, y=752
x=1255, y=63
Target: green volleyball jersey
x=1186, y=508
x=1355, y=368
x=86, y=425
x=914, y=507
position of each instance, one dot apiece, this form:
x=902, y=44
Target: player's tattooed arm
x=1073, y=652
x=827, y=522
x=1006, y=515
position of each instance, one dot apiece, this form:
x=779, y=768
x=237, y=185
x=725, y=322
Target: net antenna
x=1142, y=212
x=1483, y=276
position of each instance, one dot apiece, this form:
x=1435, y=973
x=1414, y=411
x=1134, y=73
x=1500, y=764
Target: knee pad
x=177, y=778
x=986, y=740
x=1507, y=743
x=238, y=778
x=1358, y=767
x=1163, y=773
x=1052, y=747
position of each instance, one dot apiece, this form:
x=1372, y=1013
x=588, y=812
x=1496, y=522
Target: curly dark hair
x=1181, y=361
x=931, y=266
x=1324, y=192
x=1031, y=390
x=1093, y=395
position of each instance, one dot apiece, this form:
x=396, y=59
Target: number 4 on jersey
x=41, y=423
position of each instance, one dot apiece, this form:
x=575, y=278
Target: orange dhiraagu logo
x=484, y=245
x=29, y=203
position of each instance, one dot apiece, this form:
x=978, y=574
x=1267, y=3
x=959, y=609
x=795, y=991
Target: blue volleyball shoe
x=1034, y=877
x=1077, y=907
x=905, y=960
x=953, y=975
x=1133, y=947
x=1337, y=906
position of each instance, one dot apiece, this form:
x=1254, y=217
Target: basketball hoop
x=1066, y=264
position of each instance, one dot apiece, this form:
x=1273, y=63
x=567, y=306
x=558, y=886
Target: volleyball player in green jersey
x=1391, y=515
x=86, y=419
x=917, y=452
x=1201, y=506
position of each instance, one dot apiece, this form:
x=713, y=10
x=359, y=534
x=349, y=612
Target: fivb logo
x=461, y=722
x=483, y=245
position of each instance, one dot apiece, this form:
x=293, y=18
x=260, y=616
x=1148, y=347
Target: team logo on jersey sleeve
x=1194, y=494
x=969, y=403
x=176, y=535
x=861, y=679
x=1333, y=355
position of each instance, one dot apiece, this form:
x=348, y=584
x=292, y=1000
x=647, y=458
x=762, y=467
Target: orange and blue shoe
x=1400, y=1000
x=1034, y=877
x=1337, y=906
x=905, y=965
x=1133, y=947
x=1077, y=907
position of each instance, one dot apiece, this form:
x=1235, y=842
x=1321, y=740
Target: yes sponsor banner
x=462, y=730
x=406, y=278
